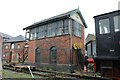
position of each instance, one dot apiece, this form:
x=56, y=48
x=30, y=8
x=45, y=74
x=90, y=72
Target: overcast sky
x=18, y=14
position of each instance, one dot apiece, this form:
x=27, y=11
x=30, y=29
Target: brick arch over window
x=53, y=55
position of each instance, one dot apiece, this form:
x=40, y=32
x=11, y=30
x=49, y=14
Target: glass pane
x=59, y=25
x=117, y=23
x=51, y=29
x=38, y=50
x=89, y=50
x=104, y=26
x=41, y=32
x=13, y=45
x=18, y=46
x=94, y=48
x=32, y=33
x=77, y=28
x=65, y=26
x=53, y=54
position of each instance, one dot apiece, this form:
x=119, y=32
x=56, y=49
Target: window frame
x=77, y=29
x=6, y=46
x=12, y=45
x=101, y=27
x=66, y=26
x=118, y=24
x=18, y=46
x=53, y=55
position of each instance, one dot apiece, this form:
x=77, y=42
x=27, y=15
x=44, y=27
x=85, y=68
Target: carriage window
x=104, y=26
x=117, y=23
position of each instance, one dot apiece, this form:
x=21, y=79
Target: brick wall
x=15, y=50
x=62, y=43
x=80, y=41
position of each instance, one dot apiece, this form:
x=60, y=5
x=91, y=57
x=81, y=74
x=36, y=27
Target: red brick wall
x=31, y=52
x=15, y=50
x=62, y=43
x=78, y=40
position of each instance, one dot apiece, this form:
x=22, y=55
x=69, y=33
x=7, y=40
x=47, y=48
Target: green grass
x=12, y=74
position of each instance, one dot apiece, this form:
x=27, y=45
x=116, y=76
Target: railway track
x=54, y=74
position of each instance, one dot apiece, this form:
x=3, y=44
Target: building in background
x=13, y=49
x=54, y=42
x=3, y=37
x=90, y=45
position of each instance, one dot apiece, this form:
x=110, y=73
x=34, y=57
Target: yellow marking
x=77, y=45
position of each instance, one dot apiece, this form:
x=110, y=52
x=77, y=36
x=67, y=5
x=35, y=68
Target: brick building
x=53, y=41
x=3, y=37
x=13, y=49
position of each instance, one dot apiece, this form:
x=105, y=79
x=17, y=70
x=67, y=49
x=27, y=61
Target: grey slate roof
x=58, y=17
x=16, y=39
x=5, y=35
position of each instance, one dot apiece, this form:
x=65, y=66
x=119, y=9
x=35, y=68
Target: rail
x=56, y=74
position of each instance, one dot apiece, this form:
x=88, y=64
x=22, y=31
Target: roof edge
x=58, y=17
x=106, y=13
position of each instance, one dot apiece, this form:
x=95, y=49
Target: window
x=37, y=33
x=27, y=35
x=117, y=23
x=13, y=45
x=66, y=26
x=37, y=55
x=41, y=32
x=6, y=46
x=59, y=26
x=104, y=26
x=18, y=46
x=94, y=48
x=51, y=29
x=77, y=28
x=33, y=34
x=53, y=55
x=5, y=55
x=89, y=50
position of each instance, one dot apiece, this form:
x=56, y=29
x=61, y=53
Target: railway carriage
x=107, y=27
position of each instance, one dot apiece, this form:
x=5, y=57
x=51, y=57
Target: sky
x=18, y=14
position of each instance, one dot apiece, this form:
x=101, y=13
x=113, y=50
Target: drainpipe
x=71, y=53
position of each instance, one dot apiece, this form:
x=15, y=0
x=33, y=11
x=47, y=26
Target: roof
x=5, y=35
x=118, y=11
x=16, y=39
x=90, y=37
x=58, y=17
